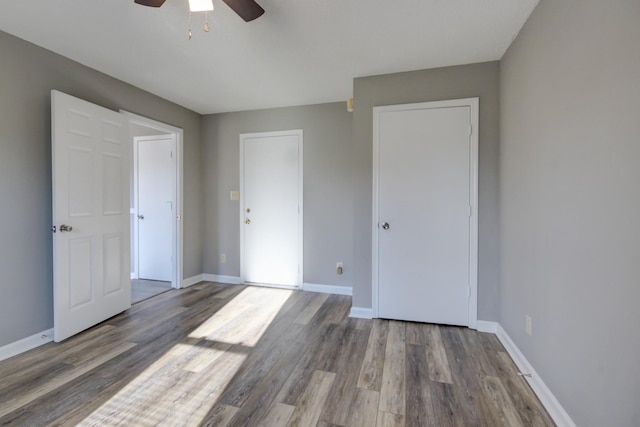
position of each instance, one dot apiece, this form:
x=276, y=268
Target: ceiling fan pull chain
x=206, y=22
x=189, y=24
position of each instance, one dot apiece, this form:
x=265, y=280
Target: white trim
x=487, y=326
x=269, y=285
x=300, y=134
x=361, y=313
x=193, y=280
x=548, y=400
x=327, y=289
x=176, y=280
x=26, y=344
x=473, y=104
x=231, y=280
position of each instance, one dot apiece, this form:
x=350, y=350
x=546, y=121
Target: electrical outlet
x=223, y=258
x=528, y=325
x=339, y=267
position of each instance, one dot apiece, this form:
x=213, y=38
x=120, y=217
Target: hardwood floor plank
x=415, y=333
x=220, y=416
x=303, y=370
x=340, y=313
x=167, y=394
x=364, y=409
x=40, y=388
x=502, y=404
x=205, y=354
x=372, y=366
x=392, y=392
x=256, y=366
x=466, y=378
x=312, y=309
x=19, y=368
x=312, y=400
x=419, y=401
x=278, y=415
x=527, y=405
x=482, y=362
x=438, y=363
x=264, y=392
x=347, y=367
x=386, y=419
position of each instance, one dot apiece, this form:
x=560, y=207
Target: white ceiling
x=299, y=52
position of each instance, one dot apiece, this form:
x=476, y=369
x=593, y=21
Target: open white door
x=90, y=168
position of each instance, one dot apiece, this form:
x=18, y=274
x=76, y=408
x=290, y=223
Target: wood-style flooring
x=226, y=355
x=141, y=289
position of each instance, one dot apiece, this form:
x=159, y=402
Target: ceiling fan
x=246, y=9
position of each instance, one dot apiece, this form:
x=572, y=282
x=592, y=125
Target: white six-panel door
x=425, y=227
x=271, y=208
x=90, y=161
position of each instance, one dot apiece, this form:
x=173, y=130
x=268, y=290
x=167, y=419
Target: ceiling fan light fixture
x=200, y=5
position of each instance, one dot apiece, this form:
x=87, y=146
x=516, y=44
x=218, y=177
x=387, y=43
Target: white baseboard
x=486, y=326
x=327, y=289
x=26, y=344
x=549, y=401
x=232, y=280
x=190, y=281
x=361, y=313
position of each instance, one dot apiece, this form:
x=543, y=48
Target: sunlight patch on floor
x=246, y=318
x=184, y=384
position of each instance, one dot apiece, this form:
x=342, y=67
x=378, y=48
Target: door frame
x=177, y=229
x=473, y=104
x=299, y=134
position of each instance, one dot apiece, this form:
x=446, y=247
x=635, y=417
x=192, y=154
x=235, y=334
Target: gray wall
x=477, y=80
x=327, y=187
x=27, y=75
x=570, y=197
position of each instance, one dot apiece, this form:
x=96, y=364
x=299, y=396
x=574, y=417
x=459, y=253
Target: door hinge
x=53, y=228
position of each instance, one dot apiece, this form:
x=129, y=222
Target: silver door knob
x=385, y=225
x=65, y=228
x=140, y=216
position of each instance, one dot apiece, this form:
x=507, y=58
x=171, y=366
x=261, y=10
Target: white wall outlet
x=223, y=258
x=339, y=267
x=528, y=325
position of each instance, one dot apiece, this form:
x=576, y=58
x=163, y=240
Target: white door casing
x=271, y=208
x=177, y=223
x=425, y=189
x=90, y=189
x=155, y=170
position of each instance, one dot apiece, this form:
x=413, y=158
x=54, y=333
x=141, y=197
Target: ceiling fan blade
x=151, y=3
x=247, y=9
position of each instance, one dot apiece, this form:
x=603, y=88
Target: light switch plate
x=234, y=195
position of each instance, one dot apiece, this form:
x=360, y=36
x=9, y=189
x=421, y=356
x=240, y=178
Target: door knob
x=385, y=225
x=140, y=216
x=247, y=221
x=65, y=228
